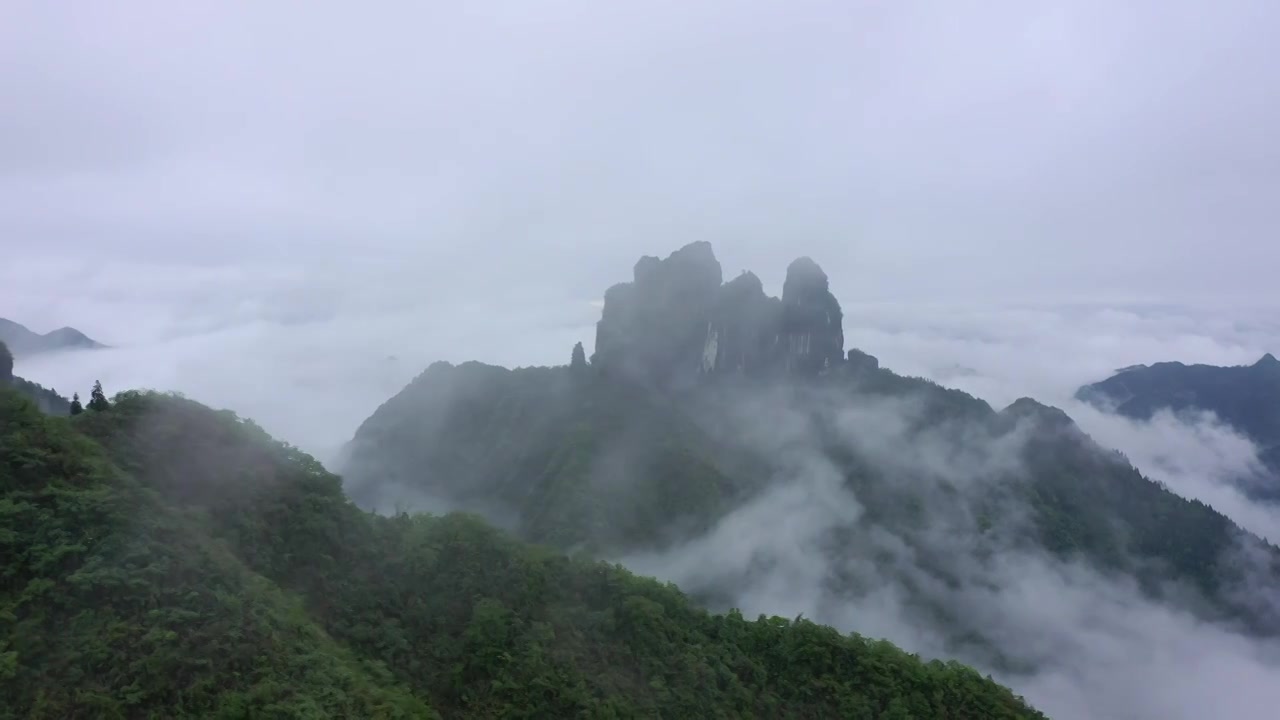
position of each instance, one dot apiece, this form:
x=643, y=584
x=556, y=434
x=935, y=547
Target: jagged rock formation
x=22, y=341
x=677, y=320
x=812, y=325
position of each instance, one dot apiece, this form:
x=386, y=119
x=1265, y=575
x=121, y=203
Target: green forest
x=532, y=445
x=165, y=560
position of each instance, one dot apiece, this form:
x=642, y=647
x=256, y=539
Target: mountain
x=164, y=560
x=49, y=401
x=676, y=319
x=1246, y=397
x=22, y=341
x=713, y=416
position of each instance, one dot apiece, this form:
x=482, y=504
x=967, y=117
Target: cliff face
x=812, y=328
x=677, y=320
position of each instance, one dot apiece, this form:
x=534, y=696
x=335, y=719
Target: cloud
x=1047, y=351
x=1076, y=642
x=1194, y=455
x=307, y=374
x=978, y=150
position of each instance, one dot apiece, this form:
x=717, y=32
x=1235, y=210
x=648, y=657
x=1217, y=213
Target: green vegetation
x=590, y=459
x=116, y=605
x=48, y=401
x=539, y=449
x=98, y=399
x=164, y=560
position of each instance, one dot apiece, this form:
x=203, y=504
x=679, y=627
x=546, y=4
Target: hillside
x=26, y=342
x=165, y=560
x=1246, y=397
x=49, y=401
x=710, y=412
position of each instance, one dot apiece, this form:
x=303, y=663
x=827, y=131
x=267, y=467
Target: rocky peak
x=804, y=277
x=691, y=269
x=649, y=325
x=677, y=320
x=860, y=362
x=812, y=331
x=1268, y=360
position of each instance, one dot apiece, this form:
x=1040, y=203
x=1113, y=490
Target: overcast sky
x=289, y=209
x=458, y=180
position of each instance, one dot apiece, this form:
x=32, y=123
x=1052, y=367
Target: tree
x=76, y=407
x=6, y=365
x=579, y=359
x=98, y=399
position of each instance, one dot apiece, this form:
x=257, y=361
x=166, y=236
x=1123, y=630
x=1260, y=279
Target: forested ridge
x=707, y=400
x=161, y=559
x=1245, y=397
x=590, y=460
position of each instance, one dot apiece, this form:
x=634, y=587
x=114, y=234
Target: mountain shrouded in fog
x=726, y=440
x=1245, y=397
x=403, y=239
x=22, y=341
x=165, y=560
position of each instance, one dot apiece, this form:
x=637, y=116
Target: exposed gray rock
x=676, y=320
x=859, y=361
x=812, y=330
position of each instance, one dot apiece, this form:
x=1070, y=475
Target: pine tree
x=76, y=407
x=98, y=399
x=578, y=361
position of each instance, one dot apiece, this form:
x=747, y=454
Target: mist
x=1077, y=643
x=291, y=215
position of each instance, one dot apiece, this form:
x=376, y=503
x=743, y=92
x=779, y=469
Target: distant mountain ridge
x=1246, y=397
x=23, y=341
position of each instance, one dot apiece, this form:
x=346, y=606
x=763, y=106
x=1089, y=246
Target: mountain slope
x=551, y=438
x=305, y=606
x=1247, y=397
x=114, y=606
x=920, y=485
x=49, y=401
x=25, y=342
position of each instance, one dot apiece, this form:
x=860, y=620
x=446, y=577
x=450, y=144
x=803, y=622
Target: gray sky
x=213, y=184
x=492, y=150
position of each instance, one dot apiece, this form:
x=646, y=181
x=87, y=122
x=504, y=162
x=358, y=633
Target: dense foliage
x=48, y=400
x=114, y=604
x=164, y=560
x=592, y=459
x=540, y=450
